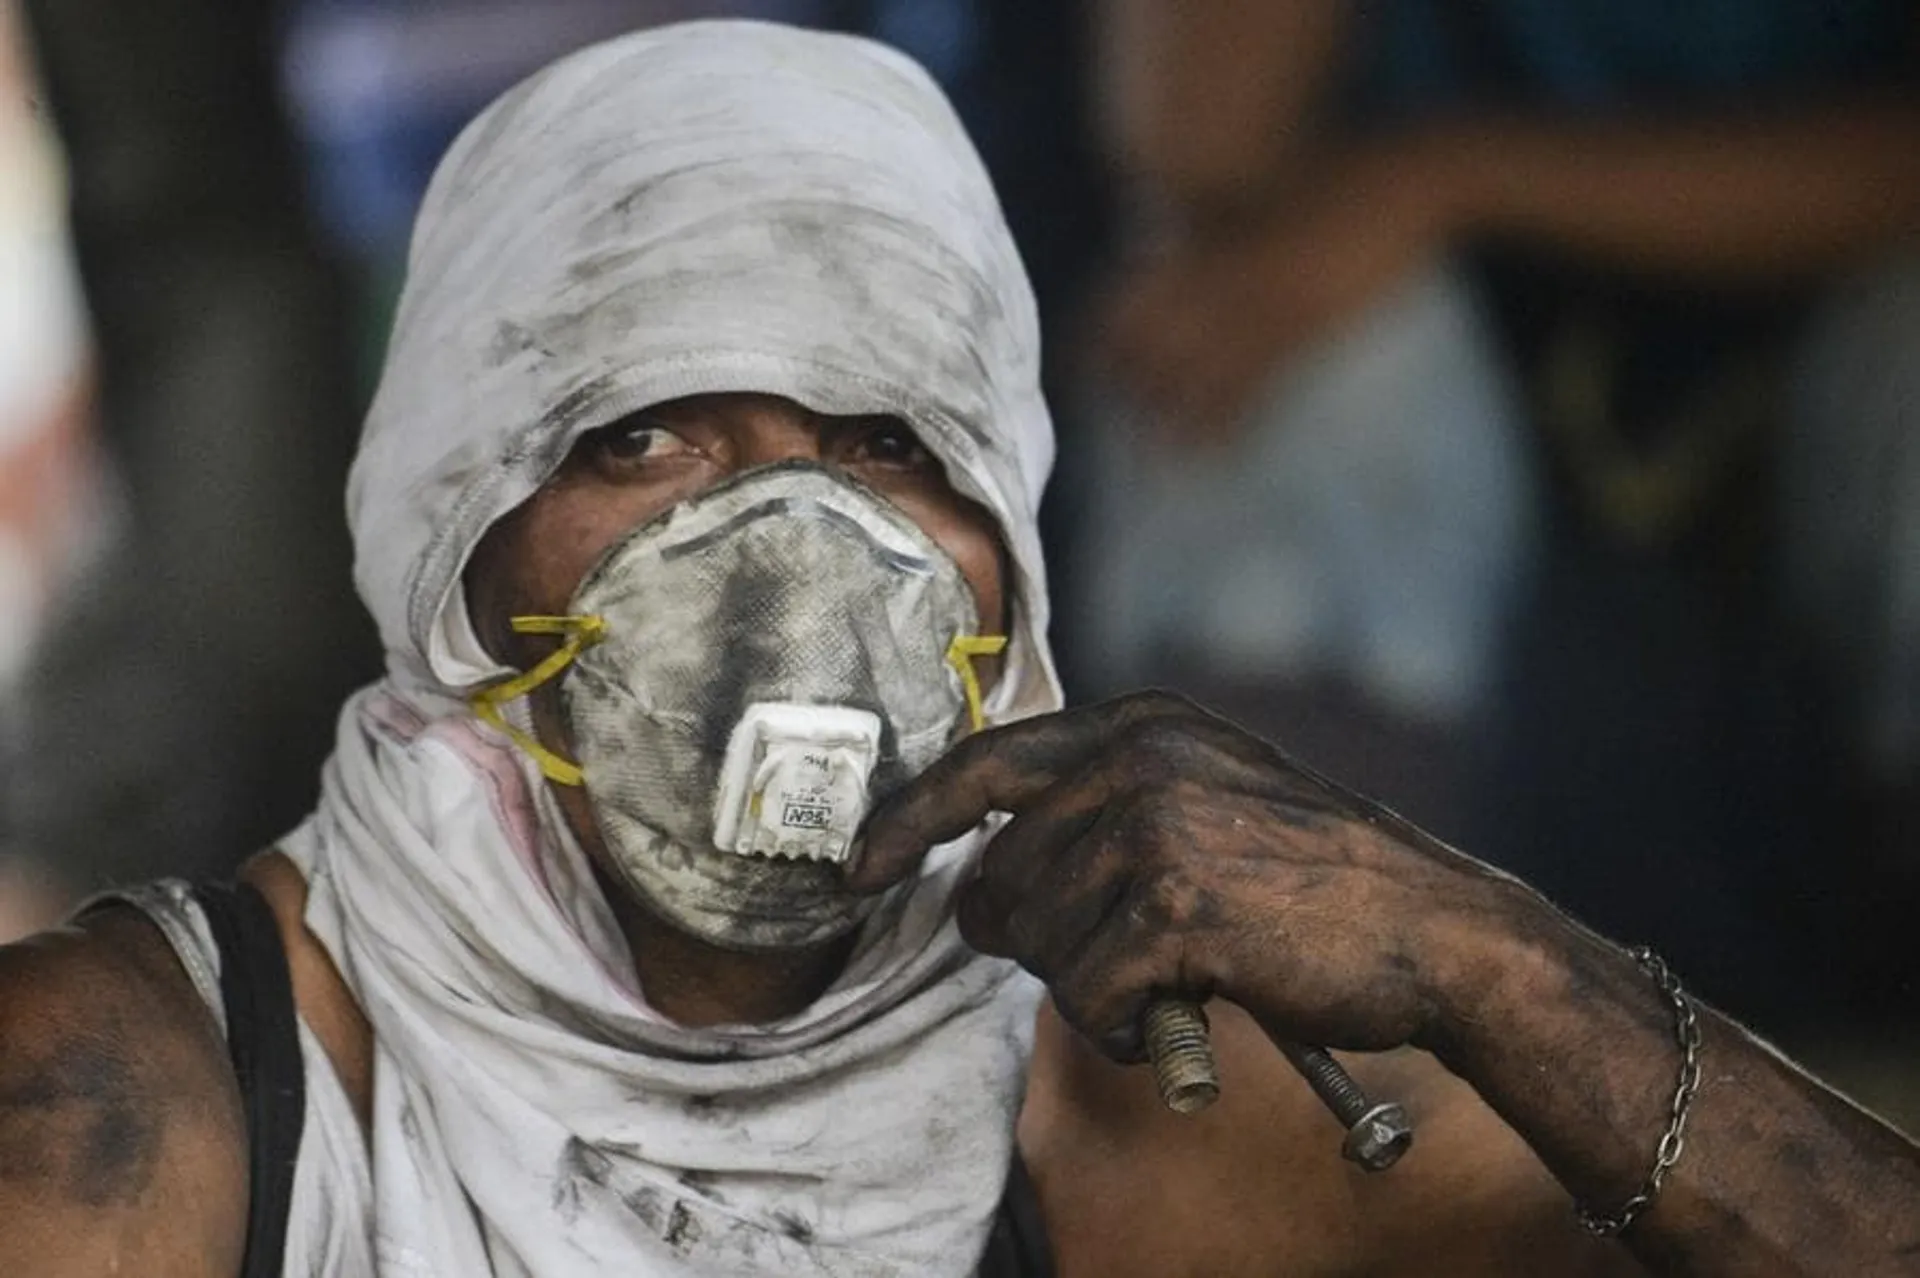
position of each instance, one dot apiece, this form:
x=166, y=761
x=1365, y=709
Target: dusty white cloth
x=712, y=207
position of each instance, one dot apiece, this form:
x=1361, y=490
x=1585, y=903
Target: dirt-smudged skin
x=121, y=1139
x=86, y=1090
x=1156, y=848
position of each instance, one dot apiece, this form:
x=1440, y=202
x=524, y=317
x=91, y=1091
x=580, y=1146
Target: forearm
x=1157, y=849
x=1749, y=197
x=1574, y=1045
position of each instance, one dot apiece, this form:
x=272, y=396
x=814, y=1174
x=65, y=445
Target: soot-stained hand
x=1157, y=849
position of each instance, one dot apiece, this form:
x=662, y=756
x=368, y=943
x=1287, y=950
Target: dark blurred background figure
x=1521, y=416
x=177, y=709
x=243, y=178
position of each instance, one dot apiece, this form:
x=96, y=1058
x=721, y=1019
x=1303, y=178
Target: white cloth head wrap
x=710, y=207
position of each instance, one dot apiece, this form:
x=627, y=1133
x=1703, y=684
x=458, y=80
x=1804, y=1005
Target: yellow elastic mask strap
x=960, y=655
x=578, y=633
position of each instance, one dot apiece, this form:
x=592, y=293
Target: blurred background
x=1512, y=408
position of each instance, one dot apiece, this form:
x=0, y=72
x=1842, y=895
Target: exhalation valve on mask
x=744, y=677
x=795, y=780
x=794, y=783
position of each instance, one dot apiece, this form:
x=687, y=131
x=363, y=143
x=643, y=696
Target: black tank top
x=264, y=1041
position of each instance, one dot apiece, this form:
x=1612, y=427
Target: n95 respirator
x=740, y=680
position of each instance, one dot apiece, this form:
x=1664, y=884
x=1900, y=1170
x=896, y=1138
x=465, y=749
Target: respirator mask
x=740, y=680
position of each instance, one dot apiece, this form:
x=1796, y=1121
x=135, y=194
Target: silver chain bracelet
x=1687, y=1034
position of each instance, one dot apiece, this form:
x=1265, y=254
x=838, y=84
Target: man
x=696, y=511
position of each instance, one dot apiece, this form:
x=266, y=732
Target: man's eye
x=890, y=443
x=634, y=441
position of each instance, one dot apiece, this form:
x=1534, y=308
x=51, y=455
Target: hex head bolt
x=1183, y=1066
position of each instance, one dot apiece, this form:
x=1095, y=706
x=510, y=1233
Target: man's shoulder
x=121, y=1133
x=112, y=959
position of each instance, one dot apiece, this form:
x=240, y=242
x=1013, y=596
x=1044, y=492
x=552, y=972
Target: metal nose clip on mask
x=743, y=677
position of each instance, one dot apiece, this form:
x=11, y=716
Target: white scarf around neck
x=531, y=1114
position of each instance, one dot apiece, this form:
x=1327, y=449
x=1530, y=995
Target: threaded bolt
x=1183, y=1067
x=1376, y=1134
x=1329, y=1081
x=1176, y=1034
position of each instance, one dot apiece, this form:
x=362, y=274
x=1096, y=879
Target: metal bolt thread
x=1183, y=1066
x=1330, y=1082
x=1377, y=1135
x=1182, y=1054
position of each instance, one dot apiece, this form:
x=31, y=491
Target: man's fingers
x=1034, y=882
x=1000, y=770
x=995, y=771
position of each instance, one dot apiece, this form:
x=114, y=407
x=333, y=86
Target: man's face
x=620, y=476
x=532, y=561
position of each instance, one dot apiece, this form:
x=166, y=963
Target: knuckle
x=1107, y=1005
x=1101, y=1000
x=971, y=751
x=1084, y=1004
x=1144, y=907
x=1156, y=747
x=1162, y=900
x=1159, y=813
x=1151, y=829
